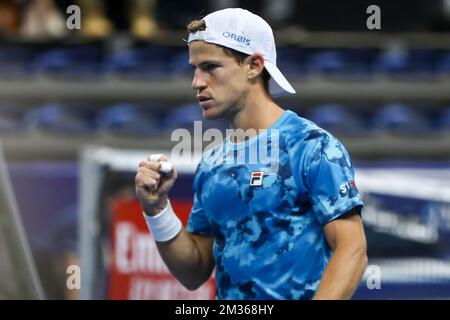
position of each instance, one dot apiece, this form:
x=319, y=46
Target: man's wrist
x=165, y=225
x=154, y=211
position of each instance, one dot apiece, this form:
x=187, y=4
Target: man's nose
x=198, y=82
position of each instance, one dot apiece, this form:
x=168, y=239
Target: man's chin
x=211, y=114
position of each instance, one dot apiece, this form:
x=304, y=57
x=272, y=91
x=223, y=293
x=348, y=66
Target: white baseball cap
x=243, y=31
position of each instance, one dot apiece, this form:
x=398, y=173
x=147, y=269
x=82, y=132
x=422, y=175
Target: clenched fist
x=154, y=179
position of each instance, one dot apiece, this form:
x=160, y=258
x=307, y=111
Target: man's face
x=221, y=83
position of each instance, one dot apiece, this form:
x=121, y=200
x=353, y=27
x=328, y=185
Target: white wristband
x=165, y=225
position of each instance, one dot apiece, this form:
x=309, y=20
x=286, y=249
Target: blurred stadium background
x=78, y=108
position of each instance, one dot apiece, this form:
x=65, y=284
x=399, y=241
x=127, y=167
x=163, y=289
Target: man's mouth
x=203, y=98
x=203, y=101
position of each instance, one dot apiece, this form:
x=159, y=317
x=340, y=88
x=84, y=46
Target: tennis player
x=287, y=231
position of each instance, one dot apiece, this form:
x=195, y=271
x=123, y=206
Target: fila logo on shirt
x=256, y=179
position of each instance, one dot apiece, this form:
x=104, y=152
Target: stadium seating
x=444, y=120
x=10, y=119
x=337, y=119
x=15, y=61
x=400, y=119
x=293, y=62
x=414, y=63
x=59, y=119
x=126, y=118
x=142, y=63
x=70, y=63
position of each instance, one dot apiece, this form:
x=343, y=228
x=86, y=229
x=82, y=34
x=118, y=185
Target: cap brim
x=278, y=84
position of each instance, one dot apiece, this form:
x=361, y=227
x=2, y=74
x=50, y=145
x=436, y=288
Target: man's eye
x=210, y=67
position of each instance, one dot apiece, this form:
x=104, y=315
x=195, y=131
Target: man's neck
x=259, y=112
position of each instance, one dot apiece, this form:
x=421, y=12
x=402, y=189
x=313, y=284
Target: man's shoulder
x=307, y=142
x=297, y=129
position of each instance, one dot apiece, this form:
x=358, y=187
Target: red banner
x=137, y=271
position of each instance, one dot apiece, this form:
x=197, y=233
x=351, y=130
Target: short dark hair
x=200, y=25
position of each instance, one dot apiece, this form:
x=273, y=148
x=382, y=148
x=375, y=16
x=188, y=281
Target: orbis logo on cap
x=237, y=38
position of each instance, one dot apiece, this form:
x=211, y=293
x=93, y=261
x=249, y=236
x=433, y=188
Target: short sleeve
x=328, y=175
x=198, y=222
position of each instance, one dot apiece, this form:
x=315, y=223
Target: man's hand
x=153, y=185
x=189, y=257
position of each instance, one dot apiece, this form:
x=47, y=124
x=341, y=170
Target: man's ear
x=256, y=65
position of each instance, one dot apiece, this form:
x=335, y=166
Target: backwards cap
x=243, y=31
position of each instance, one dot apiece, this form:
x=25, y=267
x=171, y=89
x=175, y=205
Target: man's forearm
x=187, y=256
x=186, y=260
x=342, y=275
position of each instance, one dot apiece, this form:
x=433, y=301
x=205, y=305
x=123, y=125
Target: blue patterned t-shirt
x=266, y=213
